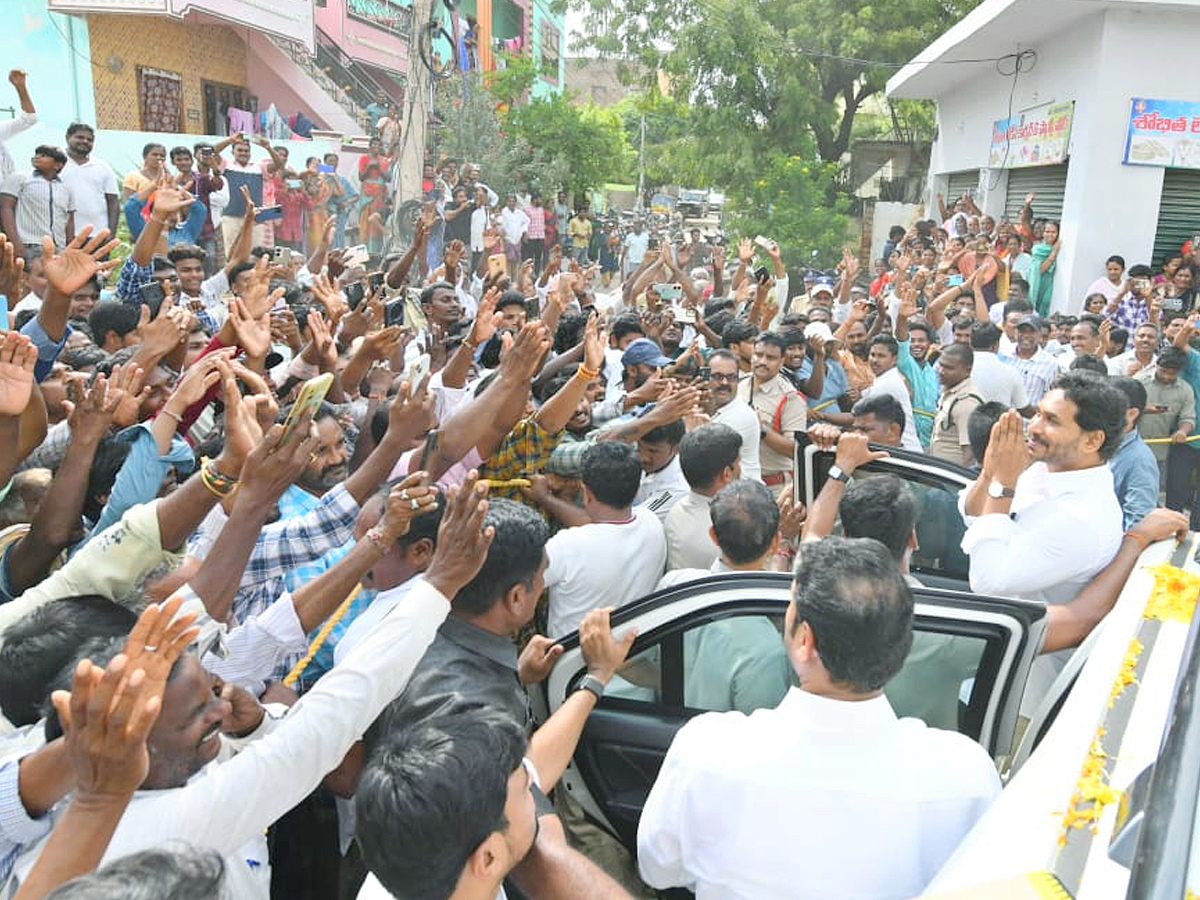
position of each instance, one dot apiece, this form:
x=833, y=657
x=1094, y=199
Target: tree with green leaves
x=764, y=75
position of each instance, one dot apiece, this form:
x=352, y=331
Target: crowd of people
x=287, y=536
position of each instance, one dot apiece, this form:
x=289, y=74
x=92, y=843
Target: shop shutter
x=1178, y=212
x=960, y=183
x=1048, y=182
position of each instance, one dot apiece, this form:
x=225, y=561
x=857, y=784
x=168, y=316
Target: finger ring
x=404, y=494
x=414, y=504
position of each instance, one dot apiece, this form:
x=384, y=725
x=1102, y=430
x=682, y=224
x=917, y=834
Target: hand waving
x=18, y=356
x=79, y=262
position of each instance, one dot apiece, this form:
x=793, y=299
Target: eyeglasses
x=717, y=376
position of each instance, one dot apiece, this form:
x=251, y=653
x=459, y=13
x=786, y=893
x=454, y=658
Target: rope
x=319, y=641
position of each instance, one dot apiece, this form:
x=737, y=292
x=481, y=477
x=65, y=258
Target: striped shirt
x=43, y=205
x=1037, y=373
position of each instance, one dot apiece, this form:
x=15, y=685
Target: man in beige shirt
x=960, y=398
x=781, y=410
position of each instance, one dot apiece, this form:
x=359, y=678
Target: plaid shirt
x=131, y=278
x=1037, y=373
x=290, y=543
x=523, y=452
x=1131, y=312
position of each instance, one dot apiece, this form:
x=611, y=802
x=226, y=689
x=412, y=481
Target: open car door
x=939, y=560
x=716, y=645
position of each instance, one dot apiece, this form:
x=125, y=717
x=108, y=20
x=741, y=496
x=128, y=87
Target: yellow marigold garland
x=1173, y=598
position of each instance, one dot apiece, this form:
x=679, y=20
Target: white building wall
x=1099, y=63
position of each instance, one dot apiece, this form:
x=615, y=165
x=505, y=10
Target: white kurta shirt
x=1062, y=529
x=816, y=798
x=228, y=805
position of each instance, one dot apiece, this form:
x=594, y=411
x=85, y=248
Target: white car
x=628, y=734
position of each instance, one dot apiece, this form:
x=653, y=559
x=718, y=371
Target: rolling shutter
x=1048, y=182
x=960, y=183
x=1178, y=212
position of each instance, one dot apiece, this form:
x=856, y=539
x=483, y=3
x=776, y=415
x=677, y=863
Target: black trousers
x=535, y=249
x=1182, y=462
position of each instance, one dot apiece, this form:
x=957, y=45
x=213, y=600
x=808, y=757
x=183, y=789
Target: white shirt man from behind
x=730, y=409
x=615, y=559
x=995, y=381
x=866, y=778
x=708, y=456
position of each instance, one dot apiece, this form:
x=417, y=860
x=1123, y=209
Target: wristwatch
x=836, y=473
x=593, y=684
x=996, y=490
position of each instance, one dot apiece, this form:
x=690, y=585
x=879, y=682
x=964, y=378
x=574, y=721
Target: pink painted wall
x=274, y=78
x=362, y=41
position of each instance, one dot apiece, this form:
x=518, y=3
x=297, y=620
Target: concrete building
x=169, y=70
x=1090, y=104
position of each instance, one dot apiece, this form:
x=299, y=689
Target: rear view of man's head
x=745, y=521
x=879, y=507
x=612, y=473
x=446, y=805
x=849, y=625
x=512, y=574
x=709, y=456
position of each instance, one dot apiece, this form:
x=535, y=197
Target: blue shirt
x=1191, y=374
x=836, y=383
x=142, y=473
x=1135, y=478
x=47, y=348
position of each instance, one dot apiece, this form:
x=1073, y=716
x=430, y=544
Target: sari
x=1041, y=284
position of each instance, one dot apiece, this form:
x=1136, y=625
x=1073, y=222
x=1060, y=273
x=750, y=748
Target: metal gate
x=1048, y=182
x=1178, y=212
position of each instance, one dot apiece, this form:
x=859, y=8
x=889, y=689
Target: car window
x=938, y=683
x=738, y=662
x=939, y=525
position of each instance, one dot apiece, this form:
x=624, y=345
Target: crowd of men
x=264, y=640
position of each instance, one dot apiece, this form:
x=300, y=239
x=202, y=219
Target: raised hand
x=410, y=498
x=94, y=411
x=167, y=331
x=593, y=347
x=323, y=345
x=410, y=414
x=853, y=452
x=79, y=262
x=18, y=356
x=199, y=379
x=487, y=320
x=253, y=332
x=746, y=250
x=170, y=198
x=791, y=515
x=523, y=359
x=12, y=267
x=277, y=462
x=125, y=384
x=463, y=541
